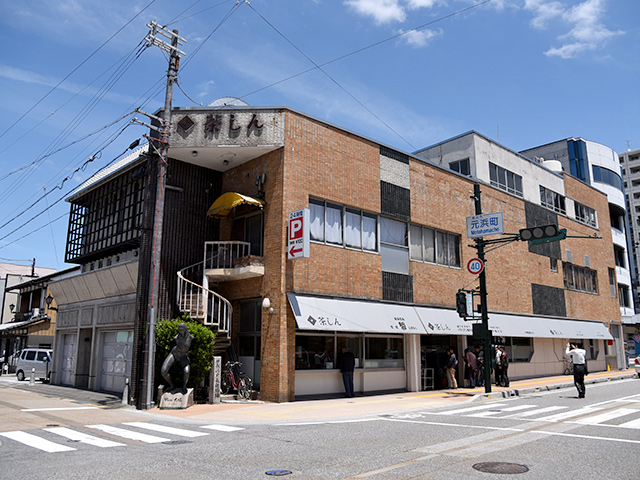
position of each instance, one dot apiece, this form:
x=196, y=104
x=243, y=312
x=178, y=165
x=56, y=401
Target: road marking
x=604, y=417
x=222, y=428
x=121, y=432
x=535, y=412
x=469, y=409
x=632, y=424
x=573, y=413
x=589, y=437
x=164, y=429
x=502, y=410
x=36, y=442
x=360, y=420
x=482, y=427
x=83, y=437
x=57, y=409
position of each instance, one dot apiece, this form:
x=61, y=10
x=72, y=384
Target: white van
x=38, y=358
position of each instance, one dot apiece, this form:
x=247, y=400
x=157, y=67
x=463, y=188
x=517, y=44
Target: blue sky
x=523, y=72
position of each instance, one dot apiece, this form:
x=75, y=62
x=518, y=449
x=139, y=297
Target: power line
x=360, y=50
x=77, y=68
x=332, y=79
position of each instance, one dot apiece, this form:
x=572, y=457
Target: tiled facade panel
x=536, y=216
x=548, y=300
x=395, y=201
x=397, y=287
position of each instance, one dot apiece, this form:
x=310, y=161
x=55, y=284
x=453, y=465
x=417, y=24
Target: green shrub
x=200, y=353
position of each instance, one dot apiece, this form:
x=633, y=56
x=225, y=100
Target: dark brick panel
x=548, y=300
x=395, y=201
x=537, y=215
x=397, y=287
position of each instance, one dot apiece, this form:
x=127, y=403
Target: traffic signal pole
x=484, y=312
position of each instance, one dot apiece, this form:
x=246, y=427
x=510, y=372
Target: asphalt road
x=553, y=435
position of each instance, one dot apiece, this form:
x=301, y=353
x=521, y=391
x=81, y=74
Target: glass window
x=519, y=349
x=429, y=242
x=42, y=357
x=394, y=259
x=352, y=229
x=441, y=248
x=316, y=229
x=460, y=166
x=505, y=179
x=454, y=250
x=585, y=214
x=415, y=242
x=552, y=200
x=393, y=231
x=333, y=224
x=353, y=344
x=384, y=352
x=31, y=355
x=314, y=352
x=369, y=232
x=581, y=279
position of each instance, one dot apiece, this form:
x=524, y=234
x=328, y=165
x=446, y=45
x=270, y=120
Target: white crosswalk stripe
x=631, y=424
x=164, y=429
x=128, y=434
x=36, y=442
x=538, y=411
x=222, y=428
x=502, y=410
x=558, y=417
x=83, y=437
x=605, y=417
x=469, y=409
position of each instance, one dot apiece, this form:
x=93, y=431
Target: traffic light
x=461, y=303
x=543, y=234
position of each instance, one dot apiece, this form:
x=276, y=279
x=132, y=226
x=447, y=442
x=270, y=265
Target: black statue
x=179, y=353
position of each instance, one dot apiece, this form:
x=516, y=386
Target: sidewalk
x=344, y=409
x=309, y=411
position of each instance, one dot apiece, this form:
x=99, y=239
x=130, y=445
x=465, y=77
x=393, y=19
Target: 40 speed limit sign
x=475, y=266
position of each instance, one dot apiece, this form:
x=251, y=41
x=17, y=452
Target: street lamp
x=12, y=307
x=48, y=301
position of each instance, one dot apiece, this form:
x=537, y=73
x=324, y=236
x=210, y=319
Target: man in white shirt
x=578, y=358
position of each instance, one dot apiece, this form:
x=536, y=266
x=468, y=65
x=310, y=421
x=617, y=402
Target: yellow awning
x=227, y=201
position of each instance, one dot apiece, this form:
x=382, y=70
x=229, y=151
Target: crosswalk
x=56, y=439
x=626, y=415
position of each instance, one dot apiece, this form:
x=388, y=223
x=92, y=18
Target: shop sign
x=298, y=233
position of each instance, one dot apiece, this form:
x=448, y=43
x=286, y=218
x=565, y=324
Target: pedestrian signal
x=543, y=234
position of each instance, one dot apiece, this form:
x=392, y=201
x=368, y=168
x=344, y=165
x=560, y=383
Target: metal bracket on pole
x=151, y=39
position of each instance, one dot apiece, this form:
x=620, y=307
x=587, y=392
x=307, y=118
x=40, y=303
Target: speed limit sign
x=475, y=266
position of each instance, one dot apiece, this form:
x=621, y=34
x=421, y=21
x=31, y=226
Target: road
x=553, y=435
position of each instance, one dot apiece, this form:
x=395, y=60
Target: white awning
x=337, y=315
x=438, y=321
x=504, y=325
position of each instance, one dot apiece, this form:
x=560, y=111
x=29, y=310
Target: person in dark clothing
x=346, y=364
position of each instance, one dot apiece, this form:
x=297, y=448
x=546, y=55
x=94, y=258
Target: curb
x=556, y=386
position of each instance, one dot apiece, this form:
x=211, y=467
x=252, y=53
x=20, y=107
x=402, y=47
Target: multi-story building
x=388, y=252
x=630, y=164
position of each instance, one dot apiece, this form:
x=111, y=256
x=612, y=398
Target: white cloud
x=415, y=4
x=382, y=11
x=585, y=19
x=420, y=38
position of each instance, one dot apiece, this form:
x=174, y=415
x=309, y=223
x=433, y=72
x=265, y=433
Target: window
x=505, y=179
x=623, y=294
x=461, y=166
x=394, y=246
x=580, y=279
x=314, y=352
x=338, y=225
x=31, y=355
x=586, y=215
x=604, y=175
x=552, y=200
x=519, y=349
x=384, y=352
x=433, y=246
x=612, y=282
x=553, y=264
x=619, y=254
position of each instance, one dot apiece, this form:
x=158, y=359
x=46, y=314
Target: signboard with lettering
x=485, y=224
x=298, y=233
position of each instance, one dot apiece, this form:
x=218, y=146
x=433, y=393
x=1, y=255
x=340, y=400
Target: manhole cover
x=501, y=467
x=176, y=442
x=52, y=425
x=278, y=473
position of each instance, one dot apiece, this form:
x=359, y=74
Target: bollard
x=32, y=380
x=125, y=392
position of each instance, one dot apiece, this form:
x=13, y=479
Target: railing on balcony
x=200, y=302
x=219, y=255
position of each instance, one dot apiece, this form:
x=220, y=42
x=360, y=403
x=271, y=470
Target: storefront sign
x=298, y=245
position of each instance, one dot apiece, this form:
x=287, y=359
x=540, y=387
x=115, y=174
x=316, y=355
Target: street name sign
x=485, y=224
x=298, y=244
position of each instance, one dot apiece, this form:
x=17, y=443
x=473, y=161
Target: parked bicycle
x=233, y=378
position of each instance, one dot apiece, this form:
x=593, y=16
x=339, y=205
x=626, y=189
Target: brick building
x=388, y=252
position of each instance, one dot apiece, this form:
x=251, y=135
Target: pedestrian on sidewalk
x=579, y=360
x=498, y=367
x=471, y=365
x=346, y=364
x=452, y=365
x=480, y=366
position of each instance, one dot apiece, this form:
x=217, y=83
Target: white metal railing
x=224, y=254
x=201, y=303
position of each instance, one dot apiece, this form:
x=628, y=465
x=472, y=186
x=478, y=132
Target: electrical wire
x=176, y=19
x=360, y=50
x=332, y=79
x=76, y=69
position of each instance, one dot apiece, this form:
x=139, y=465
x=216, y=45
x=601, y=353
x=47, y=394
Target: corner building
x=388, y=252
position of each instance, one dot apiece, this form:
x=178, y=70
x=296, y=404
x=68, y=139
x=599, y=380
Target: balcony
x=229, y=261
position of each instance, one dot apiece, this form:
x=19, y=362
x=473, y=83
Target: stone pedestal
x=176, y=400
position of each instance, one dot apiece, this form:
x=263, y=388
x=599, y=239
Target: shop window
x=314, y=352
x=384, y=352
x=519, y=349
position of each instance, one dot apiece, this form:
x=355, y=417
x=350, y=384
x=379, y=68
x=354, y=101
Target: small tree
x=200, y=353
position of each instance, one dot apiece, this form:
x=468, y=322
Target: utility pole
x=484, y=311
x=162, y=151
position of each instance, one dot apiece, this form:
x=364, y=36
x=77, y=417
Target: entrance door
x=68, y=360
x=116, y=359
x=249, y=338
